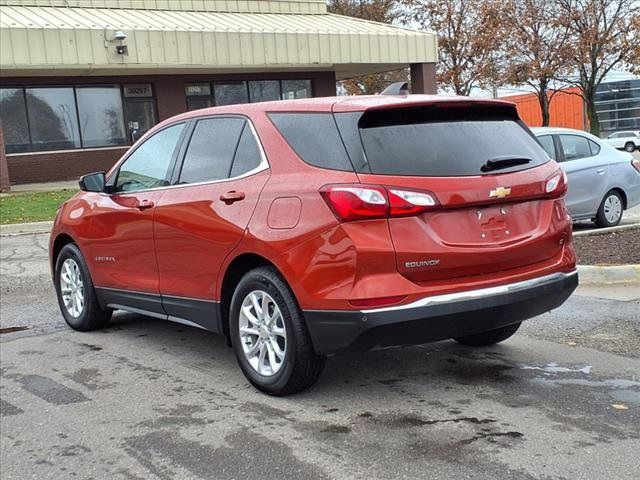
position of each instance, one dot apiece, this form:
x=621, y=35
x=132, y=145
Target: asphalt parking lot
x=145, y=399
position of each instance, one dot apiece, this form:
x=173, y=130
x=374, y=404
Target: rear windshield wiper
x=496, y=163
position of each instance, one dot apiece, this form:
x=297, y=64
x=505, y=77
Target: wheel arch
x=238, y=267
x=60, y=241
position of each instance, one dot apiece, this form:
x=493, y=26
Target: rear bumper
x=438, y=317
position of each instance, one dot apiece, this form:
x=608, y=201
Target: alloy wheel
x=72, y=288
x=262, y=333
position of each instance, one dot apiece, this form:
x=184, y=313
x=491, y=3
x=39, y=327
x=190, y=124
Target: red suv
x=304, y=228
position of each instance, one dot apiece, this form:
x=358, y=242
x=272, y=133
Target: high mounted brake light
x=351, y=202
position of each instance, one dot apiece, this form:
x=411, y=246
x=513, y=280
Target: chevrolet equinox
x=304, y=228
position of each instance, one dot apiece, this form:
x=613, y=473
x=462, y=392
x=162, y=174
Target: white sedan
x=628, y=141
x=603, y=182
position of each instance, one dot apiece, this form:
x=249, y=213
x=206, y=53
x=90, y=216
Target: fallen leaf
x=619, y=406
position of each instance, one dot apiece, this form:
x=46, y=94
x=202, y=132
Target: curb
x=603, y=231
x=25, y=228
x=597, y=275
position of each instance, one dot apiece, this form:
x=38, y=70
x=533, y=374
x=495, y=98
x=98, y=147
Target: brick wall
x=56, y=166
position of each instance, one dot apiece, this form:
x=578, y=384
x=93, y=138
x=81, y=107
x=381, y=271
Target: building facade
x=617, y=104
x=81, y=80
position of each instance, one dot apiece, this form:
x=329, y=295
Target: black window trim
x=177, y=168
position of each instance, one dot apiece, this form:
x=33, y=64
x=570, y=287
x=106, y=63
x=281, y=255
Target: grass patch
x=32, y=207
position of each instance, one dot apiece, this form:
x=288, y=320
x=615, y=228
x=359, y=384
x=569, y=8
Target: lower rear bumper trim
x=438, y=317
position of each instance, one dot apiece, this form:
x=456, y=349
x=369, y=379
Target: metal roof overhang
x=46, y=41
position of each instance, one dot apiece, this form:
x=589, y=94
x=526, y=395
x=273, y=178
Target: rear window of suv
x=432, y=141
x=446, y=141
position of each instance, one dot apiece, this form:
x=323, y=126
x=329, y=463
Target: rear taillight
x=556, y=184
x=352, y=202
x=636, y=164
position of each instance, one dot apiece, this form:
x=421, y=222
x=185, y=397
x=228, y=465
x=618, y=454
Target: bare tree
x=536, y=47
x=384, y=11
x=605, y=35
x=469, y=40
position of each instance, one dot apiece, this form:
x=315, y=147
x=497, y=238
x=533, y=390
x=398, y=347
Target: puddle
x=555, y=368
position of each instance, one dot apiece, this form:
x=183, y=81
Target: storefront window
x=296, y=89
x=53, y=119
x=229, y=93
x=264, y=90
x=101, y=116
x=61, y=118
x=13, y=119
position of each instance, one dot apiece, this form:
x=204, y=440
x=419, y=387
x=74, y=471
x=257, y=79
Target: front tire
x=610, y=210
x=629, y=147
x=76, y=295
x=491, y=337
x=269, y=335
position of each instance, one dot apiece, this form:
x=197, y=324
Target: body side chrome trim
x=479, y=293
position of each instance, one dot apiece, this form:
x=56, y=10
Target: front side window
x=211, y=150
x=101, y=116
x=148, y=166
x=575, y=147
x=547, y=143
x=52, y=118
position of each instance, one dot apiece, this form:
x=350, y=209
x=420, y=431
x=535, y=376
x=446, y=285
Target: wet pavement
x=146, y=399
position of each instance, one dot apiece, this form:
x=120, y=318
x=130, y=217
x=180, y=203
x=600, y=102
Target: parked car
x=305, y=228
x=603, y=182
x=628, y=141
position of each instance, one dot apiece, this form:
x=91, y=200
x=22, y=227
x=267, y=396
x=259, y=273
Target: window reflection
x=52, y=118
x=101, y=116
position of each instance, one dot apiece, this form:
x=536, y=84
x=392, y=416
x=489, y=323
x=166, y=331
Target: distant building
x=80, y=80
x=617, y=104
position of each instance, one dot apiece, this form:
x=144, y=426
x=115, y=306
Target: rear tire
x=629, y=147
x=610, y=210
x=289, y=363
x=76, y=295
x=489, y=338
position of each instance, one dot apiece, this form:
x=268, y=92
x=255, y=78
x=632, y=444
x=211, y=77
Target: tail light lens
x=556, y=185
x=636, y=164
x=353, y=202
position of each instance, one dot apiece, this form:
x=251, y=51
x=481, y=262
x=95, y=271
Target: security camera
x=120, y=35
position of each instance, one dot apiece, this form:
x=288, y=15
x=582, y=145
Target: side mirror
x=93, y=182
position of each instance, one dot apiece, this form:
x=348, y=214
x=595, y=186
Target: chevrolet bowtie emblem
x=499, y=192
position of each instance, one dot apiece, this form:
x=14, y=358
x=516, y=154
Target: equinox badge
x=500, y=192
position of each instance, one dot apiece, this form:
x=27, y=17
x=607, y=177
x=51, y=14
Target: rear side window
x=446, y=141
x=248, y=153
x=547, y=143
x=575, y=147
x=314, y=137
x=211, y=149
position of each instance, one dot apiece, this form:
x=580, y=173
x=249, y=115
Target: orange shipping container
x=566, y=109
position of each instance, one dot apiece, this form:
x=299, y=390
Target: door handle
x=145, y=204
x=231, y=197
x=600, y=171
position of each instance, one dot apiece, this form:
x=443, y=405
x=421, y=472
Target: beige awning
x=53, y=40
